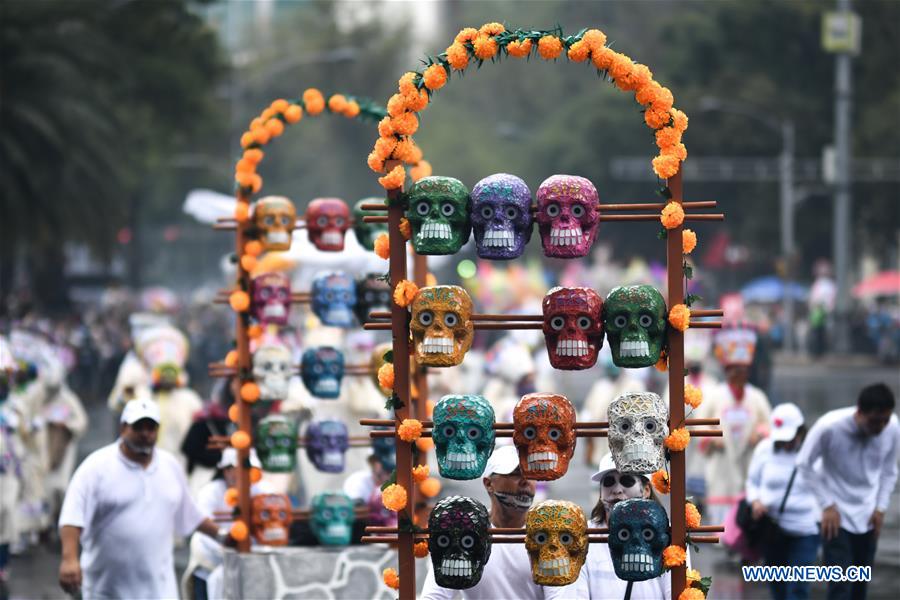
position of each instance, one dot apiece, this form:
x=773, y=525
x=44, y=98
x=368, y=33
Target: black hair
x=788, y=445
x=598, y=513
x=875, y=398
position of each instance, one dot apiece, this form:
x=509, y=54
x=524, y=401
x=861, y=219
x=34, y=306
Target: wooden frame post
x=245, y=422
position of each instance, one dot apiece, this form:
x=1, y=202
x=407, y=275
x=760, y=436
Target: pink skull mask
x=567, y=215
x=271, y=298
x=327, y=220
x=573, y=327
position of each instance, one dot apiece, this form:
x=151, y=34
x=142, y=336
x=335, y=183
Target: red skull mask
x=573, y=327
x=271, y=519
x=271, y=298
x=544, y=435
x=327, y=220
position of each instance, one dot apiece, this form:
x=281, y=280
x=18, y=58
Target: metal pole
x=786, y=181
x=843, y=76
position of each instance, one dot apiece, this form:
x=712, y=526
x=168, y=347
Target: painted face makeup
x=520, y=502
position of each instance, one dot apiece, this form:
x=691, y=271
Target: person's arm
x=210, y=528
x=432, y=591
x=812, y=449
x=754, y=479
x=70, y=567
x=887, y=483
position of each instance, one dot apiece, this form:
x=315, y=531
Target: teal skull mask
x=634, y=317
x=366, y=233
x=332, y=518
x=276, y=444
x=438, y=213
x=463, y=435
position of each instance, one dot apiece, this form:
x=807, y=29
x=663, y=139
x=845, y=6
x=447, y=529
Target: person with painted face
x=598, y=571
x=125, y=504
x=849, y=459
x=507, y=573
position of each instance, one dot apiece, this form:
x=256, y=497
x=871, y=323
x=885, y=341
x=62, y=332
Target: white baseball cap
x=230, y=458
x=141, y=408
x=606, y=465
x=503, y=461
x=784, y=421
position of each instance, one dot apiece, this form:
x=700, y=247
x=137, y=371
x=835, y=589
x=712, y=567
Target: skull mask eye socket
x=530, y=433
x=541, y=537
x=447, y=209
x=322, y=221
x=620, y=321
x=426, y=318
x=645, y=321
x=554, y=434
x=264, y=515
x=473, y=433
x=584, y=322
x=577, y=211
x=269, y=220
x=423, y=208
x=443, y=541
x=339, y=222
x=467, y=542
x=648, y=534
x=285, y=221
x=487, y=212
x=448, y=431
x=451, y=319
x=624, y=535
x=557, y=323
x=511, y=212
x=625, y=426
x=552, y=210
x=566, y=538
x=650, y=426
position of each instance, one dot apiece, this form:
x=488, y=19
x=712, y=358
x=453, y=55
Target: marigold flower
x=416, y=101
x=386, y=376
x=667, y=137
x=518, y=49
x=422, y=169
x=253, y=247
x=691, y=516
x=666, y=166
x=662, y=365
x=393, y=497
x=579, y=51
x=647, y=92
x=660, y=481
x=261, y=135
x=620, y=66
x=420, y=550
x=233, y=413
x=238, y=531
x=594, y=38
x=231, y=359
x=406, y=83
x=410, y=429
x=688, y=243
x=425, y=444
x=249, y=392
x=492, y=28
x=680, y=119
x=405, y=228
x=466, y=34
x=352, y=109
x=435, y=77
x=314, y=101
x=549, y=47
x=242, y=211
x=391, y=578
x=382, y=246
x=691, y=593
x=420, y=473
x=275, y=127
x=674, y=556
x=678, y=151
x=656, y=119
x=396, y=105
x=458, y=56
x=640, y=76
x=384, y=127
x=253, y=155
x=484, y=46
x=240, y=440
x=405, y=124
x=672, y=215
x=375, y=162
x=680, y=317
x=254, y=331
x=678, y=440
x=247, y=139
x=248, y=263
x=663, y=99
x=231, y=497
x=256, y=183
x=692, y=575
x=245, y=166
x=239, y=301
x=384, y=146
x=430, y=488
x=404, y=293
x=602, y=57
x=394, y=179
x=693, y=396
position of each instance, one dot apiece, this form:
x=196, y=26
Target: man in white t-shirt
x=507, y=573
x=125, y=504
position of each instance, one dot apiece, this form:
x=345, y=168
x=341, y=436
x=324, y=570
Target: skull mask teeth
x=272, y=371
x=322, y=370
x=373, y=294
x=573, y=327
x=556, y=541
x=463, y=435
x=544, y=435
x=326, y=445
x=271, y=519
x=333, y=298
x=637, y=429
x=274, y=218
x=438, y=213
x=638, y=533
x=458, y=541
x=634, y=317
x=332, y=518
x=276, y=444
x=271, y=294
x=567, y=215
x=327, y=220
x=441, y=325
x=366, y=233
x=501, y=216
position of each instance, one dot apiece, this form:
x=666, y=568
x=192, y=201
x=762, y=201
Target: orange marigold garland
x=394, y=497
x=420, y=550
x=420, y=473
x=410, y=429
x=383, y=246
x=691, y=516
x=386, y=376
x=660, y=481
x=691, y=593
x=391, y=578
x=519, y=49
x=693, y=396
x=672, y=215
x=549, y=47
x=662, y=365
x=691, y=576
x=678, y=440
x=405, y=292
x=680, y=317
x=394, y=179
x=674, y=556
x=405, y=228
x=688, y=241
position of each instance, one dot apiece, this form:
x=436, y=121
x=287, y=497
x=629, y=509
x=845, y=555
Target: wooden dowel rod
x=373, y=206
x=648, y=217
x=710, y=217
x=375, y=219
x=508, y=425
x=508, y=326
x=706, y=324
x=705, y=539
x=377, y=326
x=655, y=205
x=476, y=317
x=712, y=312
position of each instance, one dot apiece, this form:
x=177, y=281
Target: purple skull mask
x=326, y=443
x=501, y=216
x=567, y=215
x=271, y=298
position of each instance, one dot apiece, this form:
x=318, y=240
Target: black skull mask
x=373, y=294
x=459, y=541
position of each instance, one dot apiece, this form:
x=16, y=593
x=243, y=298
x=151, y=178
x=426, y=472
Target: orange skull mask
x=274, y=217
x=441, y=325
x=271, y=519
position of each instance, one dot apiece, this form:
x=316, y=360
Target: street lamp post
x=785, y=128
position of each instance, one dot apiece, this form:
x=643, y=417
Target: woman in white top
x=795, y=542
x=598, y=568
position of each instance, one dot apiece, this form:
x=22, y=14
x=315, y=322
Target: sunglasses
x=625, y=480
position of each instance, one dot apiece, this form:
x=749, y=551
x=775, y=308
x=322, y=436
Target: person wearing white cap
x=125, y=504
x=775, y=488
x=507, y=573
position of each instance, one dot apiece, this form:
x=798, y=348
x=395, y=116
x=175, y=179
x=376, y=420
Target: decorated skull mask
x=322, y=371
x=544, y=435
x=332, y=518
x=385, y=450
x=272, y=371
x=637, y=429
x=326, y=443
x=333, y=298
x=438, y=212
x=635, y=320
x=275, y=217
x=327, y=220
x=441, y=325
x=376, y=361
x=459, y=541
x=556, y=540
x=271, y=298
x=276, y=443
x=271, y=519
x=567, y=215
x=573, y=327
x=638, y=533
x=366, y=233
x=373, y=294
x=501, y=216
x=463, y=435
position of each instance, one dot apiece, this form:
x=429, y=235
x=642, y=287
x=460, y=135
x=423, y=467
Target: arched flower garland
x=492, y=42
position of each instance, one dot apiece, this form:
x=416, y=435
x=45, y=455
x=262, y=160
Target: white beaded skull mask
x=637, y=428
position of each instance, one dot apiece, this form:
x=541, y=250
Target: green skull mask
x=332, y=518
x=438, y=212
x=366, y=233
x=463, y=435
x=635, y=320
x=276, y=444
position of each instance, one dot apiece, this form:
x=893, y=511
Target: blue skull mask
x=333, y=298
x=385, y=450
x=501, y=216
x=322, y=371
x=638, y=533
x=326, y=443
x=463, y=435
x=332, y=518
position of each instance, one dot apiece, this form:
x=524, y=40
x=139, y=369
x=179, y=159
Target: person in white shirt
x=774, y=488
x=507, y=574
x=598, y=571
x=125, y=504
x=849, y=460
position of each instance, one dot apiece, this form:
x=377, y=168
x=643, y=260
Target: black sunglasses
x=626, y=480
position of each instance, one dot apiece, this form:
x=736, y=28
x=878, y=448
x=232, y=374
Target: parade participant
x=126, y=503
x=743, y=412
x=849, y=459
x=507, y=573
x=364, y=486
x=10, y=460
x=776, y=490
x=598, y=571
